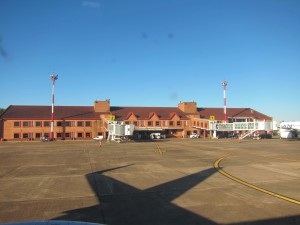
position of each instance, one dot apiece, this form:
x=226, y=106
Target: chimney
x=102, y=106
x=188, y=107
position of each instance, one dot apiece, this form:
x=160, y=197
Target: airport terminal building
x=20, y=122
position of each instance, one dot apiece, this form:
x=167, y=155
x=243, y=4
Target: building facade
x=85, y=122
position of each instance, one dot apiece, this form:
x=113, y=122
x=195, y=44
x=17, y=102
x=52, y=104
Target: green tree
x=1, y=110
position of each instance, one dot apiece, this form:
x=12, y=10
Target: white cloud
x=91, y=4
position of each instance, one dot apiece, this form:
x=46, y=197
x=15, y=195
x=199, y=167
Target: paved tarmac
x=172, y=181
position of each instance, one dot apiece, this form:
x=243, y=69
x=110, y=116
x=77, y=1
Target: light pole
x=53, y=78
x=224, y=84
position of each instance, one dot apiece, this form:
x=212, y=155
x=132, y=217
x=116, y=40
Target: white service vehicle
x=98, y=138
x=155, y=136
x=194, y=135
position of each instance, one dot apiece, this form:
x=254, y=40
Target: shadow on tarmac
x=122, y=204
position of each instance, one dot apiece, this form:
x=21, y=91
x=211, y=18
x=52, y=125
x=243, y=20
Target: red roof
x=122, y=112
x=218, y=113
x=44, y=112
x=143, y=113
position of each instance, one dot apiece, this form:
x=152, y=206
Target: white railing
x=240, y=126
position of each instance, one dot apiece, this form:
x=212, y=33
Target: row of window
x=157, y=123
x=198, y=124
x=48, y=123
x=57, y=135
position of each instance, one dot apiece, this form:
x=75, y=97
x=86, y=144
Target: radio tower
x=53, y=78
x=224, y=84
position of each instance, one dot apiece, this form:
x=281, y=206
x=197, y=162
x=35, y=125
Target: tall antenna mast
x=53, y=78
x=224, y=84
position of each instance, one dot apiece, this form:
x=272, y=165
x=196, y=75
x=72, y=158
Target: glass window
x=67, y=135
x=16, y=135
x=150, y=123
x=25, y=124
x=171, y=123
x=59, y=135
x=46, y=124
x=68, y=123
x=127, y=122
x=157, y=123
x=38, y=124
x=59, y=123
x=46, y=134
x=87, y=123
x=80, y=135
x=79, y=124
x=88, y=134
x=135, y=123
x=178, y=123
x=16, y=124
x=38, y=135
x=25, y=135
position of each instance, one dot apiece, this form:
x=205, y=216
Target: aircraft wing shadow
x=123, y=204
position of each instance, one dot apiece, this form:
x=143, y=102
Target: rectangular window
x=46, y=134
x=16, y=135
x=87, y=123
x=178, y=123
x=25, y=124
x=171, y=123
x=16, y=124
x=135, y=123
x=88, y=134
x=68, y=123
x=127, y=122
x=79, y=124
x=59, y=123
x=38, y=135
x=67, y=135
x=149, y=123
x=157, y=123
x=59, y=135
x=25, y=135
x=38, y=123
x=46, y=124
x=79, y=135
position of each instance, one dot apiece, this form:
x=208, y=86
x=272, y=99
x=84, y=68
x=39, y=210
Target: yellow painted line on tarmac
x=217, y=167
x=159, y=149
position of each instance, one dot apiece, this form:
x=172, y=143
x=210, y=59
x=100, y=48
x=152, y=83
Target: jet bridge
x=117, y=131
x=249, y=127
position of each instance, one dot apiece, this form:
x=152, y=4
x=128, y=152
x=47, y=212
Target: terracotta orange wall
x=102, y=106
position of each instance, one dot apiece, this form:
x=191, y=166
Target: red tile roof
x=44, y=112
x=143, y=113
x=218, y=113
x=122, y=113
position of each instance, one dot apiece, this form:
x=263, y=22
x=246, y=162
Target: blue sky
x=152, y=53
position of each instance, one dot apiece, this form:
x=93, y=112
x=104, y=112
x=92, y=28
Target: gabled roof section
x=131, y=114
x=174, y=114
x=44, y=112
x=143, y=113
x=153, y=114
x=218, y=113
